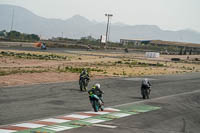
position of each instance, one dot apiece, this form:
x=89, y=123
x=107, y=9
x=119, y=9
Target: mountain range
x=78, y=26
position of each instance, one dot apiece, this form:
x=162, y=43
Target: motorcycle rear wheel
x=95, y=106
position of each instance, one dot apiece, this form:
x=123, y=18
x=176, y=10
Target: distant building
x=176, y=44
x=134, y=41
x=152, y=54
x=192, y=48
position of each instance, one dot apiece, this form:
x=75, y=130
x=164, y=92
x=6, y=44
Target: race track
x=177, y=96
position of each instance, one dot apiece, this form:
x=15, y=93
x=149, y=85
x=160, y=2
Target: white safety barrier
x=152, y=54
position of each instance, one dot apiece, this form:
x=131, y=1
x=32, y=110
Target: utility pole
x=107, y=28
x=12, y=19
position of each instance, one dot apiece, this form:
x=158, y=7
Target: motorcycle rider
x=43, y=46
x=97, y=92
x=145, y=85
x=84, y=75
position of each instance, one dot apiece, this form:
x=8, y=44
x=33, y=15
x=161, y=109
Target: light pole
x=12, y=21
x=107, y=15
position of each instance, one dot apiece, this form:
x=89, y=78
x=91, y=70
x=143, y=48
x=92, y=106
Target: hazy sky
x=167, y=14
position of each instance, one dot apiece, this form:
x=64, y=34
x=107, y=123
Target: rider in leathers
x=145, y=85
x=84, y=74
x=97, y=92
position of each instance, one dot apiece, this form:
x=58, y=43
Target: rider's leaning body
x=145, y=84
x=84, y=74
x=96, y=92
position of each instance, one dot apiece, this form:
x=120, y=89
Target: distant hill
x=78, y=26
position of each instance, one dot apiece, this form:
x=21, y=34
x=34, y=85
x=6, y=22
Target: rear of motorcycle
x=96, y=103
x=83, y=84
x=145, y=93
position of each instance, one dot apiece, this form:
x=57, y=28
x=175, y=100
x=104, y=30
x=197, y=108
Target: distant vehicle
x=126, y=50
x=41, y=45
x=89, y=48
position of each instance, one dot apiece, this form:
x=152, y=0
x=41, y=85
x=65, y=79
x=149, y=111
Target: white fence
x=152, y=55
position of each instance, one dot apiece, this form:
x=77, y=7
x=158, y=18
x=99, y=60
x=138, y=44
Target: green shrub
x=118, y=62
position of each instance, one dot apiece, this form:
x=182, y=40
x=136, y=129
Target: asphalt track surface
x=177, y=95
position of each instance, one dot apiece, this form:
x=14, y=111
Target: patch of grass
x=124, y=73
x=34, y=56
x=78, y=70
x=73, y=70
x=159, y=64
x=134, y=63
x=115, y=73
x=126, y=62
x=118, y=62
x=3, y=73
x=138, y=64
x=143, y=64
x=105, y=72
x=183, y=67
x=189, y=68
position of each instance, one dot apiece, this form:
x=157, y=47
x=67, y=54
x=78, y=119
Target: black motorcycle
x=145, y=91
x=83, y=83
x=96, y=103
x=126, y=50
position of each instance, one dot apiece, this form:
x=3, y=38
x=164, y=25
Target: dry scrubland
x=19, y=68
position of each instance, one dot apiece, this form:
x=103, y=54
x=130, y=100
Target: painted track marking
x=120, y=114
x=58, y=128
x=94, y=120
x=77, y=116
x=76, y=120
x=99, y=113
x=55, y=120
x=7, y=131
x=29, y=125
x=107, y=126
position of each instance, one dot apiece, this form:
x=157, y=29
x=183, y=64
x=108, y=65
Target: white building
x=152, y=54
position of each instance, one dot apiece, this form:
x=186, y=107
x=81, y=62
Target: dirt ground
x=36, y=78
x=22, y=71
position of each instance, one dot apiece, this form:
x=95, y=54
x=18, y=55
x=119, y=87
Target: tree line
x=18, y=36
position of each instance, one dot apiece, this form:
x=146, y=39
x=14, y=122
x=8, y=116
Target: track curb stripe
x=7, y=131
x=29, y=125
x=76, y=120
x=79, y=116
x=55, y=120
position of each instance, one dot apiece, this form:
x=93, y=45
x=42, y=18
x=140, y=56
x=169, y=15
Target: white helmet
x=145, y=81
x=97, y=85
